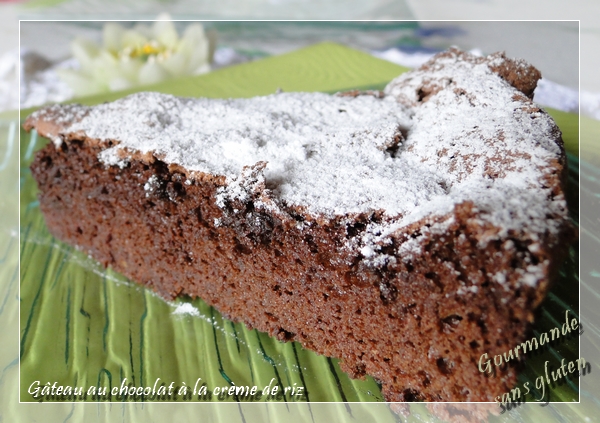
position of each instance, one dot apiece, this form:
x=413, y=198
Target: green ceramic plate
x=84, y=326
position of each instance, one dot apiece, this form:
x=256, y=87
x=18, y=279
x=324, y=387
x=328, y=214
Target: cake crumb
x=186, y=309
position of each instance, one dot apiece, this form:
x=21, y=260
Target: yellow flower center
x=145, y=51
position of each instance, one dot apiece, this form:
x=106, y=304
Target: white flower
x=139, y=56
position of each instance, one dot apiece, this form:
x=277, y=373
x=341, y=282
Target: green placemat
x=84, y=326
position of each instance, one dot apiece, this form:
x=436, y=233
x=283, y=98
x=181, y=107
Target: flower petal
x=143, y=30
x=199, y=57
x=81, y=85
x=165, y=33
x=176, y=64
x=119, y=83
x=133, y=39
x=204, y=68
x=112, y=34
x=84, y=51
x=151, y=73
x=194, y=33
x=195, y=45
x=130, y=68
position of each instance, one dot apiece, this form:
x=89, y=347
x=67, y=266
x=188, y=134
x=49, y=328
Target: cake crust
x=411, y=295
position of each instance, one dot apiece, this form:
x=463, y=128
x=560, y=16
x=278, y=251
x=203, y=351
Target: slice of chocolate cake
x=405, y=232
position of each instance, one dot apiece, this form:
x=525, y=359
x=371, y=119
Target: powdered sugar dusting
x=326, y=153
x=484, y=139
x=186, y=309
x=451, y=132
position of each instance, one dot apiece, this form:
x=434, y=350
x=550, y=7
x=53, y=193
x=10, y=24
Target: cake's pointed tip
x=53, y=121
x=45, y=127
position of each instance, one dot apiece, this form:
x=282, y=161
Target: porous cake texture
x=406, y=232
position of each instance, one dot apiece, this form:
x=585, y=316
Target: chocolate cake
x=405, y=232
